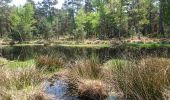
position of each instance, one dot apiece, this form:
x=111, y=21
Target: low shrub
x=12, y=43
x=48, y=63
x=47, y=44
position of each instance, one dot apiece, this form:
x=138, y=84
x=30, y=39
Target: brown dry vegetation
x=16, y=84
x=48, y=63
x=86, y=80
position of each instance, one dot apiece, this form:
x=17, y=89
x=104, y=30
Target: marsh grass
x=49, y=63
x=145, y=80
x=87, y=69
x=15, y=84
x=116, y=62
x=19, y=78
x=85, y=80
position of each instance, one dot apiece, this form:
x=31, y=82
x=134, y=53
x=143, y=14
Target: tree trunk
x=161, y=26
x=120, y=19
x=150, y=18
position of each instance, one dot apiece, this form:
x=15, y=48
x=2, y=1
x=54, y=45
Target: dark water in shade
x=104, y=54
x=59, y=90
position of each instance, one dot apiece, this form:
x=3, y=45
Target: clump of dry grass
x=87, y=69
x=19, y=78
x=15, y=84
x=145, y=80
x=86, y=80
x=48, y=63
x=92, y=90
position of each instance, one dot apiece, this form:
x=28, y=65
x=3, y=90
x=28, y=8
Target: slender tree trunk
x=150, y=17
x=161, y=26
x=137, y=20
x=120, y=19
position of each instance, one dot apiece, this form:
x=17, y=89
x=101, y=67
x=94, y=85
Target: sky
x=22, y=2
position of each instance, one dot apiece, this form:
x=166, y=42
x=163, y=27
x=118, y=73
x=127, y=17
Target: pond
x=122, y=52
x=60, y=91
x=59, y=87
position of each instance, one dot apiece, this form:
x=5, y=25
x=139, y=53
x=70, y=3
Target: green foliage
x=22, y=22
x=4, y=18
x=45, y=28
x=167, y=12
x=80, y=23
x=101, y=19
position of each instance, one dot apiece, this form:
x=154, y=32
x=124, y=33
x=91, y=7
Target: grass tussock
x=18, y=83
x=92, y=90
x=48, y=63
x=145, y=80
x=88, y=69
x=19, y=78
x=86, y=80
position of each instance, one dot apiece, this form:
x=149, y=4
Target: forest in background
x=84, y=19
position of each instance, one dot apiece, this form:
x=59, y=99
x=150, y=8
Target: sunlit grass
x=116, y=62
x=148, y=45
x=20, y=64
x=86, y=45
